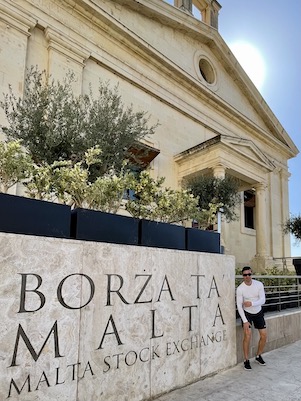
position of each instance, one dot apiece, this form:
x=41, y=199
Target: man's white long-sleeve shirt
x=254, y=293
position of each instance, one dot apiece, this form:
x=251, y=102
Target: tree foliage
x=54, y=124
x=14, y=164
x=293, y=226
x=67, y=182
x=215, y=193
x=63, y=181
x=152, y=201
x=107, y=192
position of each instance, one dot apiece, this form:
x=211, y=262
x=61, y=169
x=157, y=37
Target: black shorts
x=257, y=319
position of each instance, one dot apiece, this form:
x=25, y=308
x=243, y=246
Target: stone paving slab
x=279, y=380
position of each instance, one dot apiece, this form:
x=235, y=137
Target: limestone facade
x=179, y=69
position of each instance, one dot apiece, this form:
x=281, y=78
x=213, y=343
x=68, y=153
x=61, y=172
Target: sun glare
x=251, y=61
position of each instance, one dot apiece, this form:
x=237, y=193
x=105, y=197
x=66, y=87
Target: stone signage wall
x=84, y=321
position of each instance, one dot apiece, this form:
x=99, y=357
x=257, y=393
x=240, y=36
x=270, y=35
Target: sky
x=270, y=32
x=272, y=29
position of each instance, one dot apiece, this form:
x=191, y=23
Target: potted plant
x=215, y=195
x=157, y=208
x=22, y=215
x=58, y=128
x=205, y=239
x=99, y=220
x=94, y=204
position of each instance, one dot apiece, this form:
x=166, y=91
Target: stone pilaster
x=185, y=5
x=65, y=55
x=14, y=32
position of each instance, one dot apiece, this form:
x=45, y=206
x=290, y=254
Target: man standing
x=250, y=297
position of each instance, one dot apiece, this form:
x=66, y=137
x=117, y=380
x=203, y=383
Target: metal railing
x=282, y=292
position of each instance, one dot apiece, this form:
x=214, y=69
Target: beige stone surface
x=96, y=321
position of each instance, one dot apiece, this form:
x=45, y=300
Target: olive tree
x=293, y=226
x=215, y=194
x=54, y=124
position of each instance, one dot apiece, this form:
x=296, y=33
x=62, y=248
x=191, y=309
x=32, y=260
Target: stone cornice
x=17, y=19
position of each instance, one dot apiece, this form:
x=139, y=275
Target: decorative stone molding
x=205, y=70
x=61, y=44
x=232, y=152
x=16, y=19
x=249, y=150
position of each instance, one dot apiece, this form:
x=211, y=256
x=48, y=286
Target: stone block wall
x=84, y=321
x=283, y=328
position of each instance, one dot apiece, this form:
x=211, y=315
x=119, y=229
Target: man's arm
x=261, y=296
x=239, y=303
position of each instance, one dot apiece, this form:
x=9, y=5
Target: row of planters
x=62, y=201
x=106, y=227
x=23, y=215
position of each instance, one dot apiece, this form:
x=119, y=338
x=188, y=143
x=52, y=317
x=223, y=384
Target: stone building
x=179, y=69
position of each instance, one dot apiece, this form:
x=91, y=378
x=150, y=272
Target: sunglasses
x=247, y=274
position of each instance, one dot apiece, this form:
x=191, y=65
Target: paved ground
x=279, y=380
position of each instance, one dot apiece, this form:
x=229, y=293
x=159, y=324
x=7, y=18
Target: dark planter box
x=161, y=235
x=202, y=240
x=93, y=225
x=22, y=215
x=297, y=264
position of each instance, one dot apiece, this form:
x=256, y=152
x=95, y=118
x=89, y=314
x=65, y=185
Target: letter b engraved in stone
x=41, y=297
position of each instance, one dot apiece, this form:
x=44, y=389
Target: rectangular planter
x=202, y=240
x=297, y=265
x=93, y=225
x=22, y=215
x=161, y=235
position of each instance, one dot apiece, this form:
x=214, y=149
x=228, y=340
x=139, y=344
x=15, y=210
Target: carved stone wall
x=95, y=321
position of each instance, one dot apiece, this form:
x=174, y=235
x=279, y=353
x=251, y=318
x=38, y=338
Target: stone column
x=209, y=11
x=260, y=220
x=286, y=239
x=219, y=171
x=262, y=258
x=184, y=5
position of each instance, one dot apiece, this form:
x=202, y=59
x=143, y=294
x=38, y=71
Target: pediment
x=178, y=34
x=248, y=150
x=164, y=65
x=236, y=154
